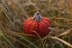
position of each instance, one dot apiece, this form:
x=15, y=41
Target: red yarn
x=41, y=27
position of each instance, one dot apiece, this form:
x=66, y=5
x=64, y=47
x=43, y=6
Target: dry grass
x=14, y=12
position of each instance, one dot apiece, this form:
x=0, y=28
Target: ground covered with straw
x=14, y=12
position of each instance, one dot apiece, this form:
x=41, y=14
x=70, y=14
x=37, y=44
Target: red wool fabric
x=42, y=27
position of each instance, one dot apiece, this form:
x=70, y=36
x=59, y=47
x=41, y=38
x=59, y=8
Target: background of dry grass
x=14, y=12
